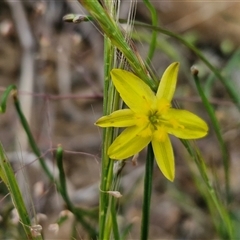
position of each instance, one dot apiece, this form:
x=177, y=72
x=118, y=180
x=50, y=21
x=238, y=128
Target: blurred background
x=58, y=70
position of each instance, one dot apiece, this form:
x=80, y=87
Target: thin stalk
x=76, y=211
x=194, y=153
x=118, y=167
x=153, y=42
x=142, y=73
x=12, y=89
x=126, y=231
x=31, y=138
x=232, y=91
x=108, y=222
x=217, y=130
x=63, y=190
x=107, y=163
x=62, y=177
x=115, y=34
x=111, y=222
x=3, y=101
x=114, y=219
x=147, y=193
x=8, y=177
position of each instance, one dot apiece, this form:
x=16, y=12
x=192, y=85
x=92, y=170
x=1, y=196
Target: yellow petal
x=184, y=124
x=120, y=118
x=164, y=157
x=128, y=143
x=135, y=93
x=168, y=82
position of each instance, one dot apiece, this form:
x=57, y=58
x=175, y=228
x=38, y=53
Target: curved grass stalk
x=110, y=103
x=114, y=33
x=8, y=177
x=79, y=213
x=62, y=188
x=153, y=42
x=217, y=130
x=227, y=84
x=212, y=195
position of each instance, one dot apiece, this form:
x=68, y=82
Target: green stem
x=194, y=153
x=153, y=43
x=114, y=219
x=232, y=91
x=8, y=177
x=62, y=178
x=147, y=193
x=139, y=69
x=31, y=138
x=13, y=89
x=107, y=163
x=3, y=101
x=115, y=34
x=217, y=130
x=63, y=190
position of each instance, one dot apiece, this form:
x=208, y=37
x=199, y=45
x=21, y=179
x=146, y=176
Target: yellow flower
x=150, y=118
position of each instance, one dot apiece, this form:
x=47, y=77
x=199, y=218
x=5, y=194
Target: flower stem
x=147, y=193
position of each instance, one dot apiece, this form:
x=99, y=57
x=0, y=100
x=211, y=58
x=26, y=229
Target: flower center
x=154, y=119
